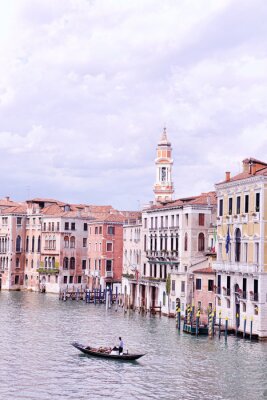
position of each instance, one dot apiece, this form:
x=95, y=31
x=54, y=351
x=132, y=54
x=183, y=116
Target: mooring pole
x=197, y=321
x=245, y=325
x=226, y=328
x=251, y=324
x=220, y=321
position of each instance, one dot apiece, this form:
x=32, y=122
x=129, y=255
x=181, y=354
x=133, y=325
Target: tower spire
x=163, y=187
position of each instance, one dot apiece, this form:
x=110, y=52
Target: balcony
x=255, y=216
x=254, y=296
x=236, y=219
x=108, y=274
x=48, y=271
x=226, y=291
x=244, y=218
x=182, y=294
x=240, y=267
x=219, y=220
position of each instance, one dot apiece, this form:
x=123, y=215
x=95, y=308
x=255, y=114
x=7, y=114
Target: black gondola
x=105, y=352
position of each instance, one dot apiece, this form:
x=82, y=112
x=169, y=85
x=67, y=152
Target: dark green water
x=37, y=361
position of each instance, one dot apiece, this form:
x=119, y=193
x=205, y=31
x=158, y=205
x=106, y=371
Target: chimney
x=253, y=169
x=227, y=176
x=7, y=198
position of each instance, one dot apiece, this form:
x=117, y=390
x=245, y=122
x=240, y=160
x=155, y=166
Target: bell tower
x=163, y=187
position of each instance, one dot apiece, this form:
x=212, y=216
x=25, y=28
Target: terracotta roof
x=207, y=270
x=18, y=209
x=245, y=175
x=202, y=199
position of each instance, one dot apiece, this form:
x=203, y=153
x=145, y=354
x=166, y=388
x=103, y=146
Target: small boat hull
x=95, y=353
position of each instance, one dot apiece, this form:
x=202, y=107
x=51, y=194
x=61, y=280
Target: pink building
x=203, y=291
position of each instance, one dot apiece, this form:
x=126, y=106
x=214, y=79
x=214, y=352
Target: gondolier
x=120, y=346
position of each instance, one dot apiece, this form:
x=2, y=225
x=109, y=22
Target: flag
x=227, y=242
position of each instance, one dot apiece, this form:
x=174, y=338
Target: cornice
x=246, y=181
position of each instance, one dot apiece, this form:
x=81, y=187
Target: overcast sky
x=87, y=86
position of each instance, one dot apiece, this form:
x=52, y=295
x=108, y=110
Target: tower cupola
x=163, y=187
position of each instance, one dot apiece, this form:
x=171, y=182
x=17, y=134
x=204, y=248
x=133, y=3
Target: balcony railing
x=109, y=274
x=226, y=291
x=254, y=296
x=235, y=267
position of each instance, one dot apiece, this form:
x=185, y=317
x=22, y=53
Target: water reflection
x=37, y=361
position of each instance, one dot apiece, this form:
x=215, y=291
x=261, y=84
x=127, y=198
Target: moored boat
x=106, y=352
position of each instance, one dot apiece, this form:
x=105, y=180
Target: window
x=27, y=244
x=84, y=242
x=4, y=220
x=156, y=222
x=210, y=285
x=166, y=221
x=79, y=278
x=173, y=285
x=73, y=226
x=201, y=219
x=108, y=265
x=65, y=279
x=185, y=242
x=96, y=230
x=18, y=244
x=151, y=222
x=230, y=206
x=244, y=308
x=238, y=205
x=145, y=223
x=186, y=219
x=65, y=263
x=246, y=203
x=39, y=244
x=144, y=242
x=220, y=207
x=44, y=226
x=201, y=242
x=172, y=221
x=245, y=252
x=72, y=242
x=19, y=221
x=228, y=303
x=182, y=286
x=237, y=244
x=58, y=226
x=72, y=263
x=16, y=279
x=33, y=243
x=71, y=279
x=100, y=230
x=17, y=263
x=198, y=284
x=257, y=204
x=144, y=269
x=111, y=230
x=53, y=226
x=66, y=242
x=85, y=227
x=66, y=226
x=109, y=246
x=256, y=255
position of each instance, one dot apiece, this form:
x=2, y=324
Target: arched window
x=185, y=242
x=31, y=263
x=46, y=263
x=72, y=263
x=66, y=263
x=171, y=242
x=50, y=262
x=177, y=242
x=46, y=242
x=166, y=242
x=50, y=244
x=17, y=262
x=66, y=242
x=54, y=242
x=27, y=244
x=72, y=242
x=18, y=244
x=237, y=244
x=144, y=242
x=33, y=240
x=201, y=242
x=39, y=244
x=155, y=243
x=53, y=263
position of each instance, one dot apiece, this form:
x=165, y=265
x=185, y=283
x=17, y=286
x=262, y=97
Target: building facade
x=241, y=265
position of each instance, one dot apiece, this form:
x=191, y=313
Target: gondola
x=106, y=352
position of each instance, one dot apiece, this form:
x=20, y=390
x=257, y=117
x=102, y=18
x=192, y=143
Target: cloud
x=87, y=86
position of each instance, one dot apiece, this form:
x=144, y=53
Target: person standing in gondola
x=120, y=346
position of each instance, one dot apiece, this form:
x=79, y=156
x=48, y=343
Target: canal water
x=38, y=362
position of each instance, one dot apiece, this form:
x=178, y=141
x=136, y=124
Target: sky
x=87, y=86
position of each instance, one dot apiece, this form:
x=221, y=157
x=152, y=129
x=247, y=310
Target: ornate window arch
x=201, y=242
